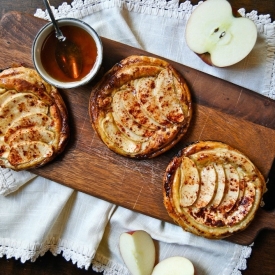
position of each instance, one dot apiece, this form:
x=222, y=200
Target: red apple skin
x=206, y=57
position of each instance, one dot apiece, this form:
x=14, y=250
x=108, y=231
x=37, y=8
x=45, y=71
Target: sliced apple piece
x=18, y=106
x=34, y=133
x=6, y=95
x=174, y=266
x=38, y=119
x=220, y=185
x=176, y=190
x=145, y=96
x=134, y=108
x=207, y=186
x=232, y=189
x=138, y=252
x=166, y=97
x=213, y=29
x=117, y=138
x=29, y=152
x=247, y=203
x=125, y=123
x=189, y=182
x=242, y=182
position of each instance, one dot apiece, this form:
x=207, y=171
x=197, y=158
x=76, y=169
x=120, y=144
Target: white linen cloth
x=37, y=215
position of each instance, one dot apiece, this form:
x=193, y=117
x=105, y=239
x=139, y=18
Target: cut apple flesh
x=138, y=252
x=213, y=29
x=174, y=266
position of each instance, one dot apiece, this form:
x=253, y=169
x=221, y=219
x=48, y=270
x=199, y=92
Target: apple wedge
x=217, y=36
x=174, y=266
x=208, y=186
x=220, y=185
x=189, y=189
x=138, y=252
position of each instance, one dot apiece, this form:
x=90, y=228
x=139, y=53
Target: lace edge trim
x=267, y=28
x=80, y=9
x=172, y=8
x=242, y=262
x=101, y=263
x=23, y=251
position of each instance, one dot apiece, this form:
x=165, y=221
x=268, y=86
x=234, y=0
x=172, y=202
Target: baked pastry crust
x=212, y=190
x=34, y=120
x=141, y=107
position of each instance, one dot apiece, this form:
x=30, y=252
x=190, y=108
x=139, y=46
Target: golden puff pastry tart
x=212, y=190
x=141, y=107
x=33, y=120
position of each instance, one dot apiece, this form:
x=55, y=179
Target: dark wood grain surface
x=265, y=236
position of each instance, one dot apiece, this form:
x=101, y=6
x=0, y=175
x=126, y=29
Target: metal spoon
x=67, y=53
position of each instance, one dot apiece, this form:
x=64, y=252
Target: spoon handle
x=58, y=32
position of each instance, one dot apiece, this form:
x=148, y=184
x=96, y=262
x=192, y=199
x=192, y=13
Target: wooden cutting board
x=222, y=111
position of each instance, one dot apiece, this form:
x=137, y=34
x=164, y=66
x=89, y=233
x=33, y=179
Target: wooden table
x=263, y=256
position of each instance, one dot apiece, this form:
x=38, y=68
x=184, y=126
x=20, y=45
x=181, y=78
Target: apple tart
x=212, y=190
x=141, y=107
x=34, y=121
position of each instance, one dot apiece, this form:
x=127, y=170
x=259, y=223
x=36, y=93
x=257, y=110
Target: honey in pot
x=82, y=39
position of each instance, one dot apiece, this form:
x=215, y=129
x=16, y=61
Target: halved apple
x=217, y=36
x=174, y=265
x=138, y=252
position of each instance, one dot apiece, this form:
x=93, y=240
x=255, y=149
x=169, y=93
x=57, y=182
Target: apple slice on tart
x=230, y=189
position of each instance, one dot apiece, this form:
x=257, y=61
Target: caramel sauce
x=78, y=36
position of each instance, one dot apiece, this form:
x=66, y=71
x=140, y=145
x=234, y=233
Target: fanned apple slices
x=212, y=189
x=33, y=120
x=141, y=107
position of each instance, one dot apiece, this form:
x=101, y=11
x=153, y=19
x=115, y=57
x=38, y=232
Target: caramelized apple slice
x=232, y=188
x=207, y=186
x=189, y=182
x=120, y=140
x=220, y=185
x=29, y=152
x=147, y=99
x=134, y=108
x=126, y=124
x=166, y=97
